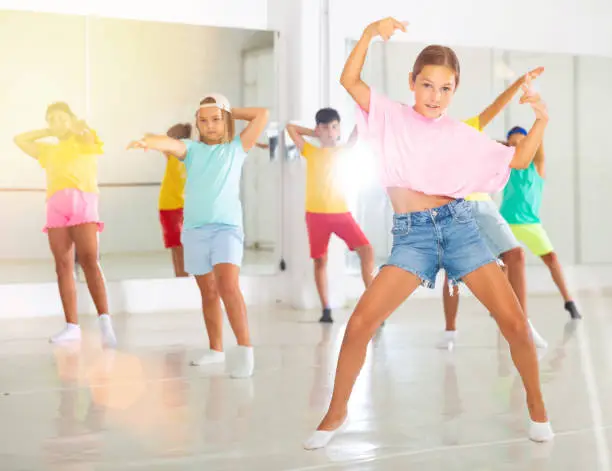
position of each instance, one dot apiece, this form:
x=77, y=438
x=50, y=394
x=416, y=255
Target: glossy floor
x=414, y=407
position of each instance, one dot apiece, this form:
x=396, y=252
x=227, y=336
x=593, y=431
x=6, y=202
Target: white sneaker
x=447, y=342
x=537, y=338
x=71, y=333
x=241, y=362
x=108, y=333
x=211, y=357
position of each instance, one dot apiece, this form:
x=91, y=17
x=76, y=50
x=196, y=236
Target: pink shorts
x=71, y=207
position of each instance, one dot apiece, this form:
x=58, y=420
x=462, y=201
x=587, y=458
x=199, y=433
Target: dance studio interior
x=311, y=249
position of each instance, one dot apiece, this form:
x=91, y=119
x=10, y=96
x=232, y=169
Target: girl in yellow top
x=71, y=165
x=172, y=201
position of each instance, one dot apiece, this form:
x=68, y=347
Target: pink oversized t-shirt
x=440, y=156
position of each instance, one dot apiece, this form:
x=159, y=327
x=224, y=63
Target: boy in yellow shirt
x=327, y=211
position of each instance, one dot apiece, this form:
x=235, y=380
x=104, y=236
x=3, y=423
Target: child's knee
x=228, y=288
x=209, y=292
x=88, y=261
x=515, y=328
x=550, y=258
x=64, y=265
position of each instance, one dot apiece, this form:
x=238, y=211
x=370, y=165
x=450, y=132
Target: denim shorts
x=212, y=244
x=446, y=238
x=494, y=229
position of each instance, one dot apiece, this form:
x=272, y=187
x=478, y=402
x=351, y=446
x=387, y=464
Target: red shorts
x=321, y=226
x=172, y=226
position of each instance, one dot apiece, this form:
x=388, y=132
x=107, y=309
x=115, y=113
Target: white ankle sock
x=70, y=333
x=240, y=362
x=211, y=357
x=448, y=340
x=540, y=431
x=321, y=438
x=108, y=333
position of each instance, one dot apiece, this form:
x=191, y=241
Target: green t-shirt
x=522, y=197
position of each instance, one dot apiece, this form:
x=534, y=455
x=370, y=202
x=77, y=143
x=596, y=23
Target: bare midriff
x=404, y=200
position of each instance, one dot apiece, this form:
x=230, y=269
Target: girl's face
x=60, y=123
x=211, y=125
x=433, y=89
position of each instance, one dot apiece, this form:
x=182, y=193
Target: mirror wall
x=126, y=78
x=579, y=164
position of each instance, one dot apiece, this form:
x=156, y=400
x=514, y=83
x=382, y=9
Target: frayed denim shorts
x=446, y=238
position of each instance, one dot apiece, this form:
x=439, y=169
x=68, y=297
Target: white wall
x=566, y=26
x=248, y=14
x=593, y=174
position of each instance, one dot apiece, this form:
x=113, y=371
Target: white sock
x=108, y=333
x=211, y=357
x=321, y=438
x=241, y=362
x=70, y=333
x=447, y=342
x=537, y=338
x=540, y=431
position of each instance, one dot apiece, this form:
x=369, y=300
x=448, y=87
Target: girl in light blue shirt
x=213, y=238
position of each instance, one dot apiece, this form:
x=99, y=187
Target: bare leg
x=178, y=262
x=85, y=238
x=552, y=262
x=492, y=289
x=366, y=256
x=61, y=246
x=388, y=290
x=320, y=274
x=211, y=308
x=515, y=264
x=228, y=284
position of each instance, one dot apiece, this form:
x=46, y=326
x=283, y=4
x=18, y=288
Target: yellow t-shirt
x=172, y=191
x=324, y=192
x=475, y=123
x=70, y=164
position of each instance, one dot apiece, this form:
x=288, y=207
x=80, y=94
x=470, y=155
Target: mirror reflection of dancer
x=327, y=210
x=520, y=206
x=71, y=166
x=213, y=238
x=494, y=230
x=419, y=150
x=172, y=200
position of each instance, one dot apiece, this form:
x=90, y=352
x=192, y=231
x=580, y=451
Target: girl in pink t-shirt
x=429, y=162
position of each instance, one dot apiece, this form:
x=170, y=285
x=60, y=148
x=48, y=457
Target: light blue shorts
x=494, y=229
x=210, y=245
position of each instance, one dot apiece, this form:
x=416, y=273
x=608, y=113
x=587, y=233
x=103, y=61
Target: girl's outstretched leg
x=491, y=287
x=388, y=290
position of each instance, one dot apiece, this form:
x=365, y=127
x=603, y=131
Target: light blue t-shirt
x=212, y=189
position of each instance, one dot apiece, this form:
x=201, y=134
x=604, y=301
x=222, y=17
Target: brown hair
x=230, y=128
x=180, y=131
x=59, y=106
x=437, y=55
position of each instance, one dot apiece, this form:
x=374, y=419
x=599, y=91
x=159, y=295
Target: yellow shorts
x=534, y=237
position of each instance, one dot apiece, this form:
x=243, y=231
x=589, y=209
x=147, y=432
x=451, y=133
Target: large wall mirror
x=579, y=167
x=126, y=78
